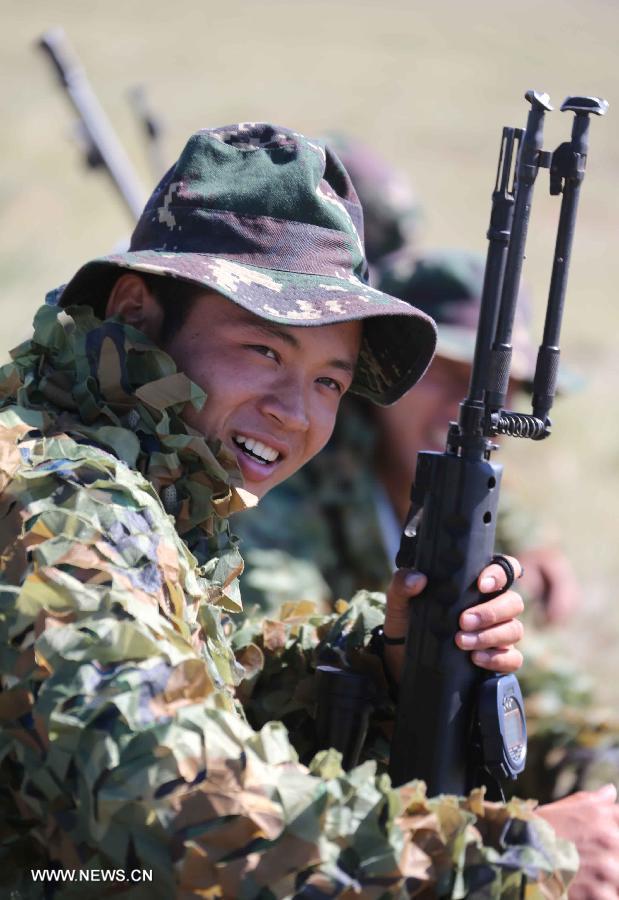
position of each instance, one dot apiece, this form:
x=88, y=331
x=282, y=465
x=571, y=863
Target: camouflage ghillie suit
x=123, y=743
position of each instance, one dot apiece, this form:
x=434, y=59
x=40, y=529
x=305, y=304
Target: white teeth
x=257, y=448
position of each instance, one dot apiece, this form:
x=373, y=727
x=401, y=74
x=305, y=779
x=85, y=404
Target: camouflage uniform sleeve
x=122, y=745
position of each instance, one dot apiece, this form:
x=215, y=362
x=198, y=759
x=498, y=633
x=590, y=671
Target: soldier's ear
x=132, y=301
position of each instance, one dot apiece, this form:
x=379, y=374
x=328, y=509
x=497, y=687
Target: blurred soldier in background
x=392, y=214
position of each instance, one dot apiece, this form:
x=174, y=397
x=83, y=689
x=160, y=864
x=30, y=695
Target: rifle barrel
x=99, y=131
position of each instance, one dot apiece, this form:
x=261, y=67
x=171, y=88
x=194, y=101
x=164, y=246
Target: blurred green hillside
x=429, y=85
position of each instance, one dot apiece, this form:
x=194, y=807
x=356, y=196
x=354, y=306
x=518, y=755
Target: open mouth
x=256, y=450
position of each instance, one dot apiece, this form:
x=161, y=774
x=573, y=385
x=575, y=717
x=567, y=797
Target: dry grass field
x=430, y=85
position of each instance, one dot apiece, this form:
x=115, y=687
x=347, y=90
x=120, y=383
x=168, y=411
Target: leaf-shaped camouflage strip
x=114, y=379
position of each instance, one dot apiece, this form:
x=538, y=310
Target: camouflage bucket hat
x=270, y=220
x=447, y=285
x=391, y=211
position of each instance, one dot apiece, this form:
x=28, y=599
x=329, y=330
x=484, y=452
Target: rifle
x=456, y=726
x=103, y=149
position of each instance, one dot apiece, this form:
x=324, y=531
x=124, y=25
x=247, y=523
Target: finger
x=607, y=870
x=607, y=792
x=609, y=840
x=503, y=660
x=493, y=577
x=587, y=887
x=492, y=612
x=504, y=635
x=405, y=583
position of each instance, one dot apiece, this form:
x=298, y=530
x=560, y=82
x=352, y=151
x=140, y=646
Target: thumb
x=608, y=792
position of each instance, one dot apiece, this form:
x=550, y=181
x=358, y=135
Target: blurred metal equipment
x=102, y=147
x=151, y=127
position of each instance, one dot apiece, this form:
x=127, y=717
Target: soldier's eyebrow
x=271, y=329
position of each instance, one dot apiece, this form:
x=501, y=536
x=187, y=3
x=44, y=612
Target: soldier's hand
x=488, y=630
x=550, y=579
x=591, y=820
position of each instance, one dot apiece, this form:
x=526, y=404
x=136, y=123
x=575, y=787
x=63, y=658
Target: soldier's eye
x=331, y=383
x=264, y=351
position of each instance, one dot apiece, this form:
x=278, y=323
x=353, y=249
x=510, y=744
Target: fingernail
x=412, y=580
x=470, y=621
x=608, y=791
x=488, y=583
x=466, y=641
x=480, y=657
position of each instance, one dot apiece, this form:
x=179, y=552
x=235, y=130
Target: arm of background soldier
x=550, y=577
x=591, y=820
x=120, y=741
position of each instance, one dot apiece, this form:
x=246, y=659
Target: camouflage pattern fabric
x=448, y=284
x=391, y=211
x=123, y=743
x=282, y=684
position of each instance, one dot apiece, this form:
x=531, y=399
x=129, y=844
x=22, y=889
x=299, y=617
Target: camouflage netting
x=123, y=743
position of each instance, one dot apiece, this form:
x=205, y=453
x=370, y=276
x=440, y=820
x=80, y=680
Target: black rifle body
x=458, y=499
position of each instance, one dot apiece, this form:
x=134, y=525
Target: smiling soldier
x=163, y=389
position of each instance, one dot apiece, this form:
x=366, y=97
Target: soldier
x=392, y=214
x=123, y=744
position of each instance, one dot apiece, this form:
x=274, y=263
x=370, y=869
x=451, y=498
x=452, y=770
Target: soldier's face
x=419, y=421
x=422, y=416
x=273, y=390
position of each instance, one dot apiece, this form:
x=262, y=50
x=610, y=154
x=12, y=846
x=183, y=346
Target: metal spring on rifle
x=519, y=425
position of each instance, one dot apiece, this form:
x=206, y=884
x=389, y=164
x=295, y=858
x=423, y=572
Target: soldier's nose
x=288, y=407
